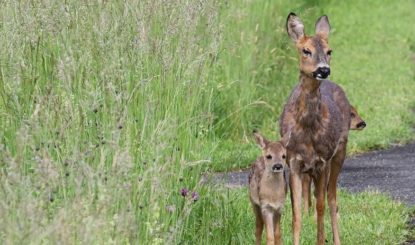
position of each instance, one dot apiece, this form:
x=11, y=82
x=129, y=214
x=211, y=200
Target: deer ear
x=285, y=140
x=323, y=26
x=295, y=27
x=260, y=140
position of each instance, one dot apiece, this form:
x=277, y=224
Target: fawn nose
x=322, y=72
x=361, y=125
x=277, y=167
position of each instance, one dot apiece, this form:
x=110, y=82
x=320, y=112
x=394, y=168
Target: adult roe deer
x=315, y=121
x=267, y=189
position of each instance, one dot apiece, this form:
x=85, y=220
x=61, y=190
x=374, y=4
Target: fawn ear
x=295, y=27
x=285, y=140
x=260, y=140
x=323, y=26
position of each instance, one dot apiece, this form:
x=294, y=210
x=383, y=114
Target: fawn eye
x=269, y=157
x=306, y=52
x=352, y=115
x=329, y=52
x=283, y=156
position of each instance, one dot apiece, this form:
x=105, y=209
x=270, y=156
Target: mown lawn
x=109, y=108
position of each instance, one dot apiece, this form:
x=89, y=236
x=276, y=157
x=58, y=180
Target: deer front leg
x=295, y=188
x=336, y=165
x=277, y=229
x=259, y=225
x=306, y=183
x=321, y=190
x=268, y=218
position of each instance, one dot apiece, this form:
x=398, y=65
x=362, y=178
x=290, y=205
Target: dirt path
x=391, y=171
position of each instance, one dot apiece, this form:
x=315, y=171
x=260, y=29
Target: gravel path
x=391, y=171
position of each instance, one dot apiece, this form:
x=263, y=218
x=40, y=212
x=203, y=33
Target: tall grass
x=105, y=104
x=110, y=108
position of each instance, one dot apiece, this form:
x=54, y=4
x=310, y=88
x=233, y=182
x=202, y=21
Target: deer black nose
x=322, y=72
x=361, y=125
x=277, y=167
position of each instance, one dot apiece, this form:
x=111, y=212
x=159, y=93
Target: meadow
x=109, y=109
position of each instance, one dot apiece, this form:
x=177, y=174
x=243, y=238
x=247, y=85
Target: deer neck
x=273, y=186
x=273, y=183
x=308, y=106
x=273, y=177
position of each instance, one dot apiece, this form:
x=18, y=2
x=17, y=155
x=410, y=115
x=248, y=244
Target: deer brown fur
x=356, y=123
x=315, y=123
x=267, y=189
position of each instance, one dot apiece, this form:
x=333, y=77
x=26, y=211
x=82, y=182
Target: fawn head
x=314, y=50
x=274, y=154
x=356, y=122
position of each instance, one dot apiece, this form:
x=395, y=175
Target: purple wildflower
x=195, y=196
x=184, y=192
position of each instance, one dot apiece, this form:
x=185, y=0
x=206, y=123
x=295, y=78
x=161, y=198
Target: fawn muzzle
x=322, y=72
x=278, y=167
x=361, y=125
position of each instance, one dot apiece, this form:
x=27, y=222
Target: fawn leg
x=259, y=225
x=268, y=218
x=277, y=229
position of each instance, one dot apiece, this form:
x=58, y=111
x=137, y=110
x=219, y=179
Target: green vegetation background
x=109, y=108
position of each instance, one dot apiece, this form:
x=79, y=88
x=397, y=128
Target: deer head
x=314, y=50
x=274, y=154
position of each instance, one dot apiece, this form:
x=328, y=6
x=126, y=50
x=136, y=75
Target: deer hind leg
x=321, y=190
x=306, y=190
x=277, y=229
x=295, y=189
x=259, y=225
x=336, y=165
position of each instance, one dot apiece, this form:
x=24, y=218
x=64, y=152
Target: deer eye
x=306, y=52
x=268, y=156
x=329, y=52
x=283, y=156
x=352, y=115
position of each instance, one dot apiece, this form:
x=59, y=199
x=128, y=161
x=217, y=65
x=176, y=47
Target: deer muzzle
x=278, y=167
x=361, y=125
x=322, y=72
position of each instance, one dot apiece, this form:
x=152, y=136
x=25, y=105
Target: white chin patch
x=318, y=77
x=277, y=171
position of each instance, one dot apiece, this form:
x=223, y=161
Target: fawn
x=316, y=122
x=268, y=188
